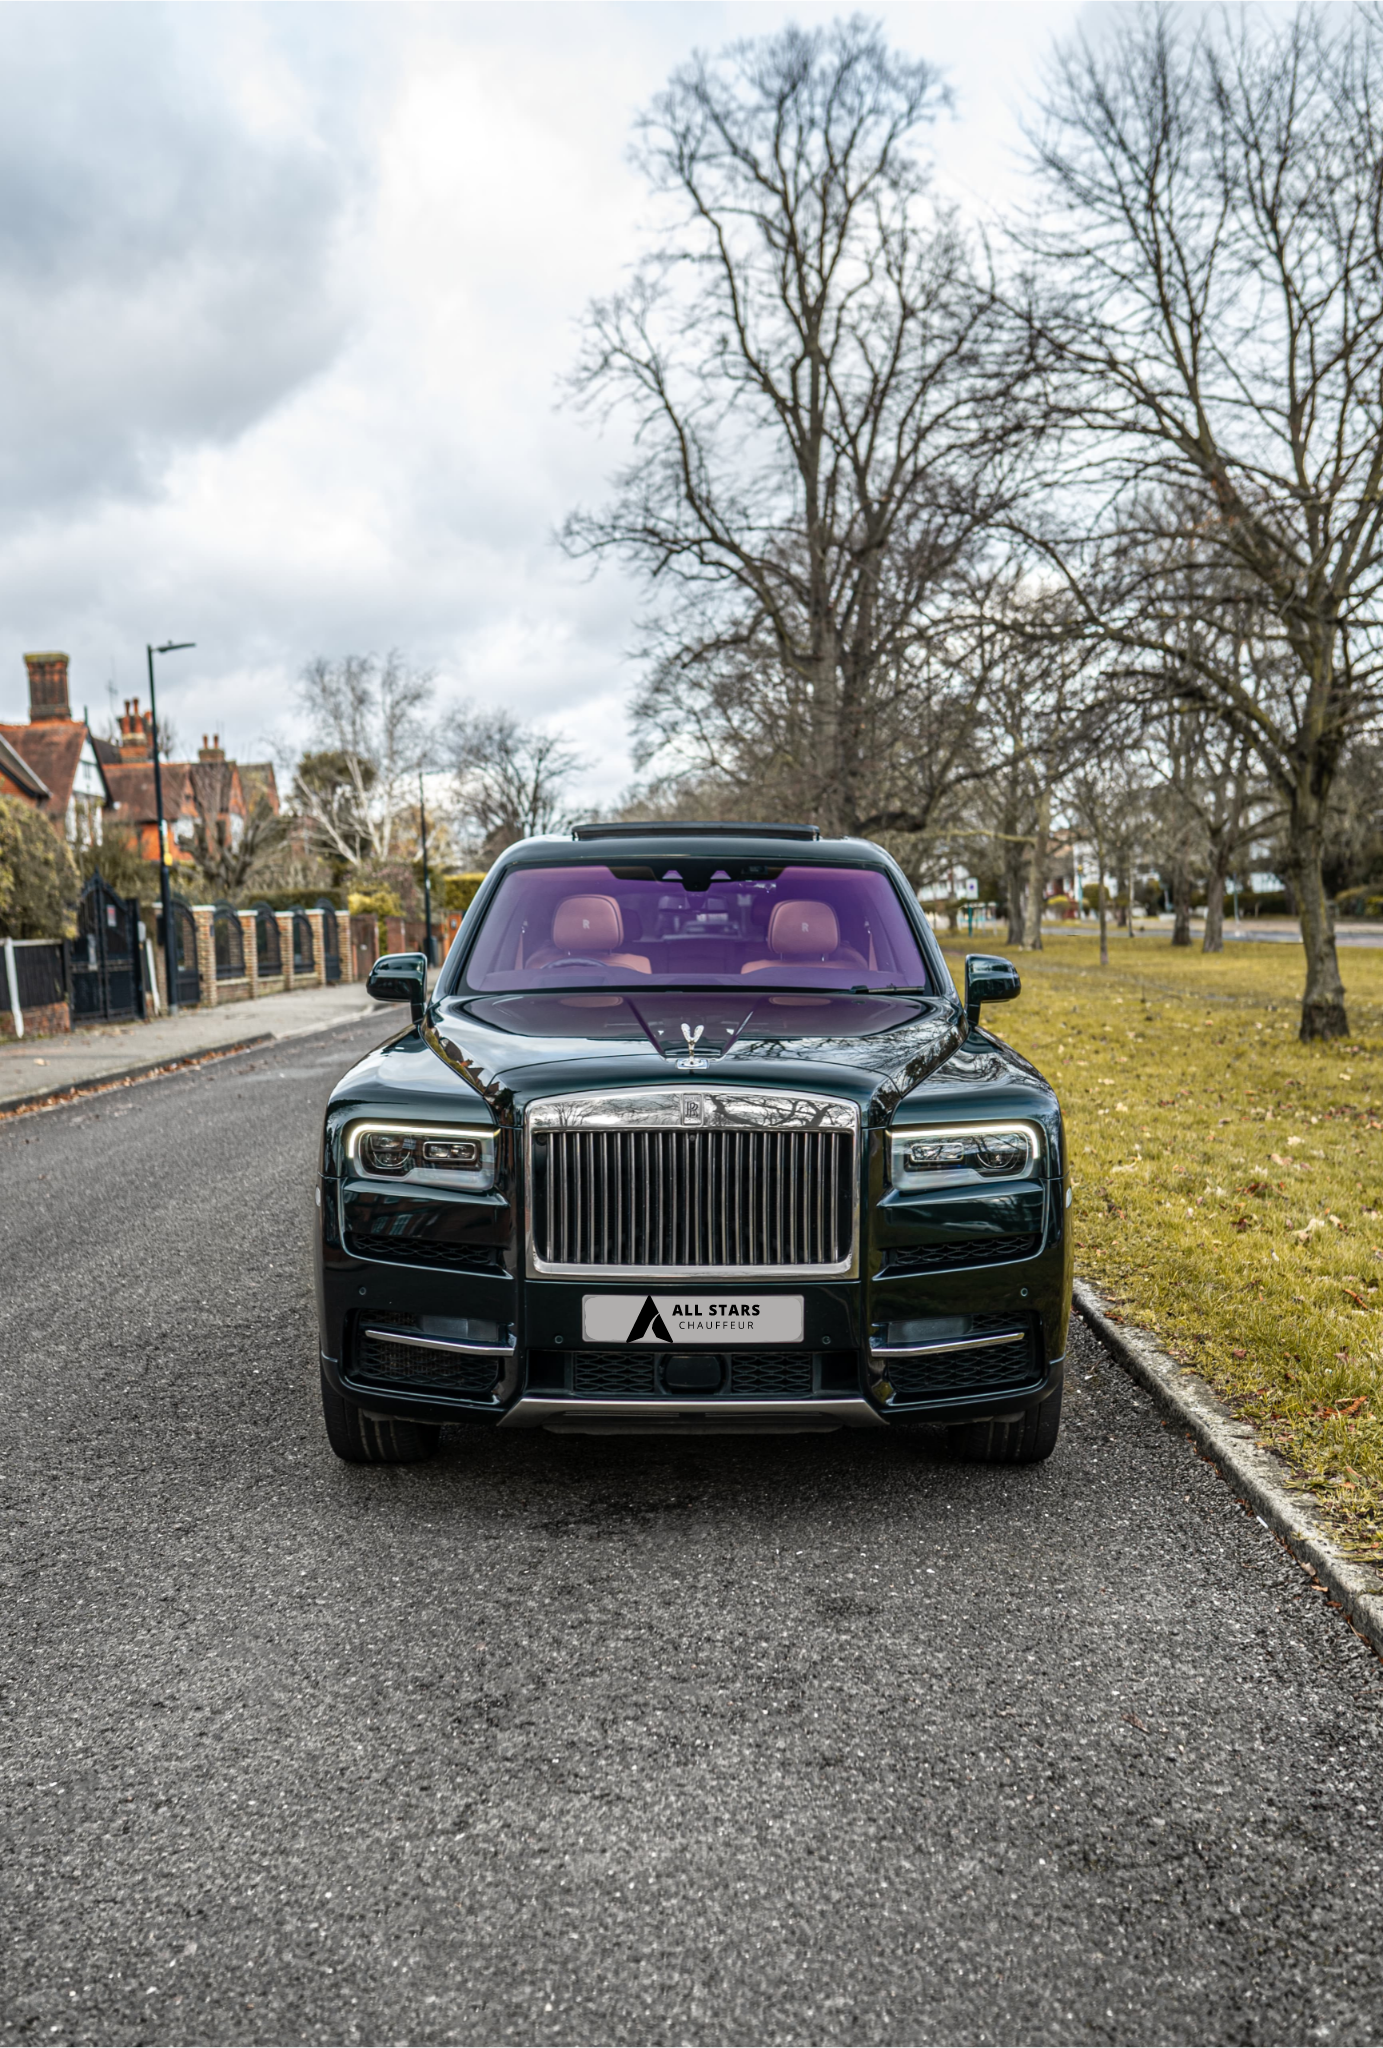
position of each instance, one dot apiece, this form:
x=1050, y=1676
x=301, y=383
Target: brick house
x=52, y=761
x=217, y=792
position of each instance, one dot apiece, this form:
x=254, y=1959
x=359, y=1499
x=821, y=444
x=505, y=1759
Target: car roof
x=662, y=843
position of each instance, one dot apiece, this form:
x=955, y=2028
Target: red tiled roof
x=216, y=788
x=51, y=748
x=132, y=786
x=16, y=772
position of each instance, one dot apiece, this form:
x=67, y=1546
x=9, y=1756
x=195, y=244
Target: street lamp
x=170, y=943
x=427, y=881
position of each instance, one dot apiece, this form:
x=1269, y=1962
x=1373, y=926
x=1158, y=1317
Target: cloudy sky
x=286, y=295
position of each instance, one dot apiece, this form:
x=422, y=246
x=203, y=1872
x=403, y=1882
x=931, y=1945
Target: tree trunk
x=1102, y=898
x=1214, y=940
x=1037, y=869
x=1323, y=999
x=1014, y=891
x=1181, y=905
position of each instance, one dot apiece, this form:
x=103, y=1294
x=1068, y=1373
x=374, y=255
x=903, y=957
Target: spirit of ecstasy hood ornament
x=691, y=1064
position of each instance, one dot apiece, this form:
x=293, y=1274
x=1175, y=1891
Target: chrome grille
x=715, y=1198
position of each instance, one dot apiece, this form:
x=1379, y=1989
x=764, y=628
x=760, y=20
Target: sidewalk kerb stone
x=71, y=1091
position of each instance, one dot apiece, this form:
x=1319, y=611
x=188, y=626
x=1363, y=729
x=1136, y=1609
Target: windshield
x=742, y=924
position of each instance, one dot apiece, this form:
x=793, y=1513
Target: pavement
x=576, y=1739
x=29, y=1066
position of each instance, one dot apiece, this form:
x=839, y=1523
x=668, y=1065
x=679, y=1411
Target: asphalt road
x=814, y=1739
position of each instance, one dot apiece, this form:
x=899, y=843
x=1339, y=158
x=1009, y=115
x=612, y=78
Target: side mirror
x=400, y=978
x=988, y=980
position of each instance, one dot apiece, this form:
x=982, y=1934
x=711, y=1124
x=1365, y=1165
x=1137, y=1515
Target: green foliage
x=376, y=902
x=455, y=892
x=39, y=883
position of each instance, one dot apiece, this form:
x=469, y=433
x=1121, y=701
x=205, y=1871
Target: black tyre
x=1024, y=1439
x=365, y=1440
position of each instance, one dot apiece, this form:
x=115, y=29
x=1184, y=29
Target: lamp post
x=170, y=942
x=427, y=880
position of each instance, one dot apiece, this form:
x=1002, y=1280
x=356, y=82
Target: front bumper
x=536, y=1382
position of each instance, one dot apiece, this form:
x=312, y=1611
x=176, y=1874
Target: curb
x=1255, y=1473
x=53, y=1098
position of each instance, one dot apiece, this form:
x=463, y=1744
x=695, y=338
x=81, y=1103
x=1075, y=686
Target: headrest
x=799, y=929
x=587, y=924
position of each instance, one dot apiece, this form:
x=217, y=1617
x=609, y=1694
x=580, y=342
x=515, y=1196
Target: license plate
x=722, y=1318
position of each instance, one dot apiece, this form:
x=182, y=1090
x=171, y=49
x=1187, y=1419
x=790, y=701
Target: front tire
x=362, y=1439
x=1024, y=1439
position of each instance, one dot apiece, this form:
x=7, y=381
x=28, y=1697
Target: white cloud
x=285, y=298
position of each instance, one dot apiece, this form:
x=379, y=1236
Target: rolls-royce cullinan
x=693, y=1134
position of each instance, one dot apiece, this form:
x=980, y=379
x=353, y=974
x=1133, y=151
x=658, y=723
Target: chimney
x=214, y=752
x=136, y=741
x=47, y=686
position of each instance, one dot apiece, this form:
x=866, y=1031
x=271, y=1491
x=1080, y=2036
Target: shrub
x=458, y=890
x=376, y=902
x=39, y=883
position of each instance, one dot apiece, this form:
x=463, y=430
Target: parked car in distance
x=693, y=1134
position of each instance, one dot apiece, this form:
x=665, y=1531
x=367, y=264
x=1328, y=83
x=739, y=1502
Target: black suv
x=693, y=1134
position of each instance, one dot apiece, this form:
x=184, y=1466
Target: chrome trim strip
x=957, y=1344
x=731, y=1109
x=441, y=1343
x=532, y=1411
x=652, y=1111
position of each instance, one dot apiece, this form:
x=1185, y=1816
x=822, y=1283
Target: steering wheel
x=574, y=960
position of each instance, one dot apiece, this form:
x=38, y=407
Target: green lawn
x=1229, y=1181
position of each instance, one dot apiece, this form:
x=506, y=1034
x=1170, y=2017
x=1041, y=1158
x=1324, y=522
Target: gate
x=304, y=959
x=189, y=992
x=331, y=939
x=106, y=983
x=267, y=948
x=228, y=943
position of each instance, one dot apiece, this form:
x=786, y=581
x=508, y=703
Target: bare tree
x=512, y=779
x=1216, y=332
x=731, y=717
x=229, y=863
x=824, y=435
x=370, y=738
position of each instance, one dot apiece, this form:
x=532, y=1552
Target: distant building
x=83, y=784
x=53, y=761
x=218, y=793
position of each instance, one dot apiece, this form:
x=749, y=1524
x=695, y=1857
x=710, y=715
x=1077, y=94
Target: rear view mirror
x=400, y=978
x=988, y=979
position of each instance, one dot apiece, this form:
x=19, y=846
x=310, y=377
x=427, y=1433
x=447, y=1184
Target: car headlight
x=919, y=1160
x=423, y=1155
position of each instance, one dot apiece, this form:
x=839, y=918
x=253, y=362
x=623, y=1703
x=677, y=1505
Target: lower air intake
x=961, y=1251
x=991, y=1368
x=624, y=1375
x=382, y=1364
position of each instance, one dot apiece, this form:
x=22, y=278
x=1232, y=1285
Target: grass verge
x=1229, y=1182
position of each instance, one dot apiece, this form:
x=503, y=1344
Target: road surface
x=814, y=1739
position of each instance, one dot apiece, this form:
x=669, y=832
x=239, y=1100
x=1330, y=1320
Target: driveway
x=801, y=1739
